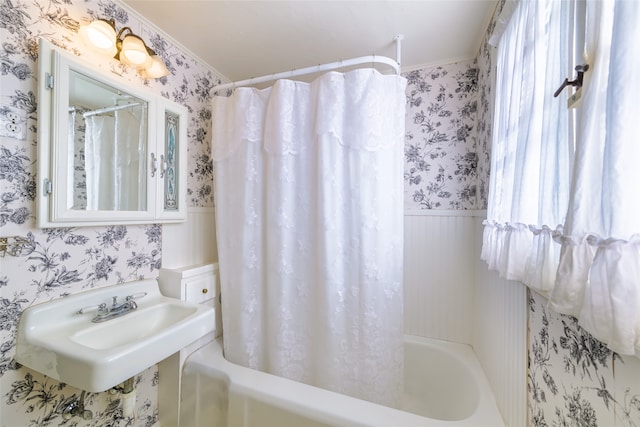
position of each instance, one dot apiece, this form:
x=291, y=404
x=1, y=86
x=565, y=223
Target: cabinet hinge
x=48, y=81
x=47, y=187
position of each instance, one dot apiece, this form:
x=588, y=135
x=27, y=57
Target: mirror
x=110, y=152
x=108, y=140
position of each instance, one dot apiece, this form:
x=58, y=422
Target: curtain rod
x=395, y=64
x=109, y=109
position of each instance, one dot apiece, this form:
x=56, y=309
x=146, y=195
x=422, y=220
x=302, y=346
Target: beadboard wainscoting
x=500, y=336
x=192, y=242
x=451, y=295
x=438, y=274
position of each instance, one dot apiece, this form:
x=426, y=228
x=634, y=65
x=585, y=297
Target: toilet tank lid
x=189, y=271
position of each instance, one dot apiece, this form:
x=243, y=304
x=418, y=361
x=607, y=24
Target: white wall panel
x=500, y=336
x=451, y=295
x=438, y=275
x=191, y=242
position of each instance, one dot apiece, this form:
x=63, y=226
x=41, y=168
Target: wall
x=500, y=309
x=500, y=335
x=63, y=261
x=573, y=379
x=440, y=181
x=438, y=275
x=441, y=153
x=449, y=294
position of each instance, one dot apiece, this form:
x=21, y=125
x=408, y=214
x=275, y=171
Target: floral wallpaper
x=441, y=153
x=52, y=263
x=574, y=379
x=484, y=118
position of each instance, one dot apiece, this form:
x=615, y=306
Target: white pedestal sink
x=54, y=339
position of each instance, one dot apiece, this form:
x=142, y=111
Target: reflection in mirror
x=107, y=130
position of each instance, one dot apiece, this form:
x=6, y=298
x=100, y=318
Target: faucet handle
x=102, y=309
x=115, y=301
x=136, y=296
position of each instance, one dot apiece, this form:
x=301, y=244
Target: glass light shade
x=156, y=70
x=100, y=35
x=134, y=52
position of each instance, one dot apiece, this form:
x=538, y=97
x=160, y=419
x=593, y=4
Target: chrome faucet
x=116, y=310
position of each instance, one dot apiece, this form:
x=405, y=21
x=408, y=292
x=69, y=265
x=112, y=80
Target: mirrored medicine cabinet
x=109, y=152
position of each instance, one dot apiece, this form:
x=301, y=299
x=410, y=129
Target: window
x=564, y=202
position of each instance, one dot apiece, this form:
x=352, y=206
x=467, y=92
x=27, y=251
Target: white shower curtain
x=114, y=161
x=308, y=189
x=100, y=162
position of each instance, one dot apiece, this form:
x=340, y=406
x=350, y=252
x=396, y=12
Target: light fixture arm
x=121, y=33
x=119, y=38
x=109, y=21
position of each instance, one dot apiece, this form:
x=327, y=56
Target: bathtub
x=444, y=386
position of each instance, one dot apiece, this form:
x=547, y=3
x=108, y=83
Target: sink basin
x=57, y=341
x=129, y=329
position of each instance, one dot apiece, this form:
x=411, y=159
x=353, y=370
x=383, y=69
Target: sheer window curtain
x=599, y=272
x=591, y=205
x=309, y=219
x=531, y=155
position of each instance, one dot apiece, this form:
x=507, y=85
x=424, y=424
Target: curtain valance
x=290, y=118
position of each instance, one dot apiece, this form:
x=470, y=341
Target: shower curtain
x=308, y=190
x=114, y=161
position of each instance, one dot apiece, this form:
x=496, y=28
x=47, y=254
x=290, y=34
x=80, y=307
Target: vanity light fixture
x=125, y=46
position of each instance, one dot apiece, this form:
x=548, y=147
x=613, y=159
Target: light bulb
x=100, y=35
x=156, y=70
x=134, y=52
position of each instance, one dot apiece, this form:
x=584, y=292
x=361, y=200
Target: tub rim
x=209, y=360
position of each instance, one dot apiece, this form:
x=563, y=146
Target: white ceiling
x=243, y=39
